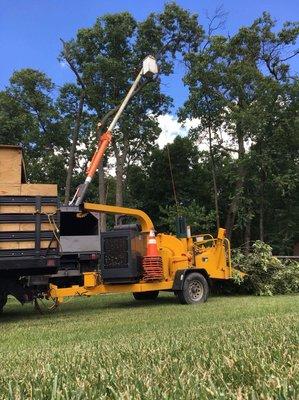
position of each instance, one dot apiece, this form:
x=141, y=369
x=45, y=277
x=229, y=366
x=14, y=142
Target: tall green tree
x=275, y=168
x=228, y=78
x=174, y=180
x=106, y=58
x=29, y=117
x=77, y=125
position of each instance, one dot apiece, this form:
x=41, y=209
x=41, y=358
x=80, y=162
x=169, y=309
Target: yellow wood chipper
x=49, y=251
x=185, y=264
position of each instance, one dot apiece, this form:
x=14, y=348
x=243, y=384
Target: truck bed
x=28, y=241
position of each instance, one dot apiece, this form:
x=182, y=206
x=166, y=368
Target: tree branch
x=228, y=149
x=69, y=60
x=291, y=56
x=220, y=18
x=103, y=122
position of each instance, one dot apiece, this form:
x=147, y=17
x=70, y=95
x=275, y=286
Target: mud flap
x=179, y=279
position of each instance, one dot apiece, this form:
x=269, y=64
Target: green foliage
x=108, y=55
x=266, y=274
x=196, y=216
x=29, y=117
x=150, y=185
x=110, y=347
x=241, y=85
x=13, y=120
x=106, y=58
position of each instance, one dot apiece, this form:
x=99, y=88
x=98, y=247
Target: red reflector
x=93, y=256
x=50, y=263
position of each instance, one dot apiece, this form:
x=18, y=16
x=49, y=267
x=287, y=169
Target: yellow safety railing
x=228, y=256
x=202, y=244
x=200, y=247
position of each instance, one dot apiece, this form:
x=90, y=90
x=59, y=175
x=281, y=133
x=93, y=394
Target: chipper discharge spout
x=149, y=68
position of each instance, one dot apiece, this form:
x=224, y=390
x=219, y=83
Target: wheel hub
x=196, y=290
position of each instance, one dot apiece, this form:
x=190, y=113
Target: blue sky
x=30, y=29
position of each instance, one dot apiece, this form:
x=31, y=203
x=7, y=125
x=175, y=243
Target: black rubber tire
x=152, y=295
x=3, y=301
x=195, y=289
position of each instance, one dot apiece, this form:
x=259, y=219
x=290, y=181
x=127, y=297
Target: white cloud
x=171, y=128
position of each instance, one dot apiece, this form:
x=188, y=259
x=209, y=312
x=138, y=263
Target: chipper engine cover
x=121, y=257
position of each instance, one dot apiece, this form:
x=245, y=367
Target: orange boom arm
x=149, y=68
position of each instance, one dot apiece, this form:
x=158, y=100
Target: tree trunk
x=261, y=222
x=120, y=167
x=247, y=236
x=215, y=188
x=119, y=198
x=73, y=149
x=234, y=205
x=102, y=197
x=261, y=210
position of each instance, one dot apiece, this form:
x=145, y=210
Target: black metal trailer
x=24, y=273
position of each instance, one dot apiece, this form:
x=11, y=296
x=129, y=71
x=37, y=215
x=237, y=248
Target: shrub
x=265, y=274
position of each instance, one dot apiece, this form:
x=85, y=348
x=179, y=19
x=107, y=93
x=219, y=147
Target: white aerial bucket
x=150, y=66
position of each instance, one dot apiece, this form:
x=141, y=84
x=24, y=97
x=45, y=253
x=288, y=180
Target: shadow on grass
x=15, y=312
x=171, y=300
x=84, y=306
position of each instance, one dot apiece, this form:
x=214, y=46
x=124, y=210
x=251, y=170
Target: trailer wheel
x=152, y=295
x=3, y=301
x=195, y=289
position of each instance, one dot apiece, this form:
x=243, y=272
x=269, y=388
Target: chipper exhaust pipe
x=149, y=68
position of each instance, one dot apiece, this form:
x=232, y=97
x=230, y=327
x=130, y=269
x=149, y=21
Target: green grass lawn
x=112, y=347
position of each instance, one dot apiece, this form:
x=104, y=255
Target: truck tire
x=3, y=301
x=152, y=295
x=195, y=289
